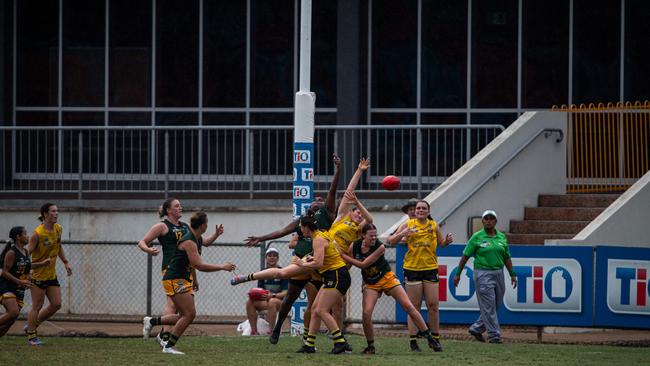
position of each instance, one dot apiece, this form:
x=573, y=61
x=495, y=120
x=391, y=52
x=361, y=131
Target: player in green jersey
x=177, y=278
x=168, y=232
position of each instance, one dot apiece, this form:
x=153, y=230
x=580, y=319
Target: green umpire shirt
x=489, y=252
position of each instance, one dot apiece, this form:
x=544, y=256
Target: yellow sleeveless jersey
x=49, y=244
x=345, y=232
x=421, y=254
x=332, y=259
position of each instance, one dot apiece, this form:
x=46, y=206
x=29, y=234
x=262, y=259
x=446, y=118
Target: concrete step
x=546, y=227
x=535, y=238
x=576, y=200
x=562, y=213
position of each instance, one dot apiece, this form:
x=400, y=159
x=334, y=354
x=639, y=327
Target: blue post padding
x=303, y=176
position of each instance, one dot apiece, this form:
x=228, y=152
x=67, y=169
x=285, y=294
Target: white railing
x=233, y=159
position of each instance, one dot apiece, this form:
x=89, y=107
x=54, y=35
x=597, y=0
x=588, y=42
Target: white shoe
x=146, y=326
x=160, y=340
x=172, y=351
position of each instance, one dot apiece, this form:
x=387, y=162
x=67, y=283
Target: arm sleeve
x=470, y=248
x=505, y=240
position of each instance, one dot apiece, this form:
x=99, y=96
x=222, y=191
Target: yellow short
x=177, y=286
x=385, y=284
x=10, y=295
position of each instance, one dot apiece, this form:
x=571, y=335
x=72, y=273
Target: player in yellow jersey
x=45, y=243
x=350, y=218
x=422, y=236
x=336, y=282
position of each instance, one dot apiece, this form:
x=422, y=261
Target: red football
x=257, y=294
x=390, y=182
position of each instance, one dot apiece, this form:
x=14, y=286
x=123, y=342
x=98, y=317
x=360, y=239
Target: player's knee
x=366, y=314
x=432, y=305
x=191, y=314
x=13, y=314
x=56, y=305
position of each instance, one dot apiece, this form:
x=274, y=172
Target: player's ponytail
x=162, y=212
x=13, y=234
x=44, y=210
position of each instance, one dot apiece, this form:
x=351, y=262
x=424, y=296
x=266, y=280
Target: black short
x=337, y=279
x=430, y=275
x=44, y=284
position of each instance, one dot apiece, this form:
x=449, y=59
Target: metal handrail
x=249, y=127
x=547, y=132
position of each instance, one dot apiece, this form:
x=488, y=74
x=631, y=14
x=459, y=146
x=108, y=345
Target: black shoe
x=306, y=349
x=274, y=337
x=415, y=347
x=434, y=343
x=370, y=350
x=343, y=347
x=423, y=334
x=495, y=340
x=478, y=336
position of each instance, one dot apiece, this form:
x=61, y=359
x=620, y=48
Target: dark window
x=637, y=54
x=545, y=53
x=224, y=53
x=393, y=151
x=92, y=142
x=596, y=55
x=130, y=53
x=494, y=54
x=224, y=119
x=481, y=138
x=129, y=151
x=272, y=149
x=224, y=150
x=177, y=53
x=394, y=53
x=443, y=149
x=83, y=53
x=323, y=52
x=272, y=38
x=183, y=144
x=326, y=144
x=36, y=151
x=444, y=54
x=37, y=52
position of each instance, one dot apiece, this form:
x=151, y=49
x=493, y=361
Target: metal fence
x=608, y=146
x=252, y=160
x=115, y=281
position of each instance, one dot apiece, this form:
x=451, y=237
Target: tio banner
x=554, y=287
x=303, y=177
x=622, y=284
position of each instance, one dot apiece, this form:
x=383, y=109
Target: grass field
x=257, y=351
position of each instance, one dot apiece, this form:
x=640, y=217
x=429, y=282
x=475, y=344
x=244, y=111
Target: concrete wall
x=114, y=225
x=539, y=169
x=622, y=223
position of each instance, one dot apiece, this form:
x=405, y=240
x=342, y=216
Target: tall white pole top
x=305, y=45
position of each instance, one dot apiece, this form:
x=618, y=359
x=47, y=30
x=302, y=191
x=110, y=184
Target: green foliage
x=247, y=351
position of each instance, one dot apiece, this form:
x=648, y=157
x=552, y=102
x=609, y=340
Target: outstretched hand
x=364, y=164
x=219, y=229
x=251, y=241
x=228, y=267
x=350, y=196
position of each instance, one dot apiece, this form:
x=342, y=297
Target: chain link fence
x=116, y=282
